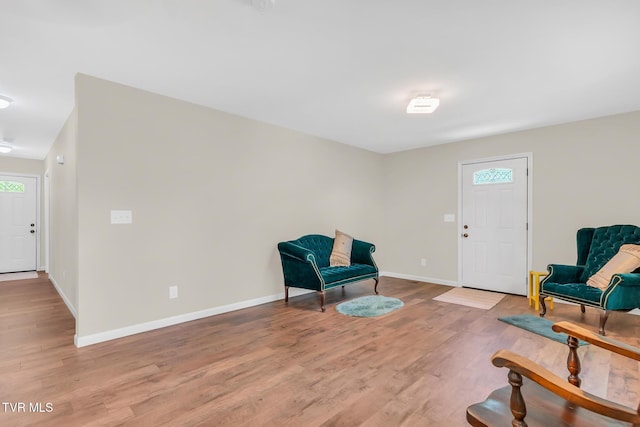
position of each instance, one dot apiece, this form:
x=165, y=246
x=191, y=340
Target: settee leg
x=543, y=306
x=604, y=315
x=582, y=310
x=286, y=294
x=375, y=288
x=322, y=294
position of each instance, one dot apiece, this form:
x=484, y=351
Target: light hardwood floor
x=281, y=365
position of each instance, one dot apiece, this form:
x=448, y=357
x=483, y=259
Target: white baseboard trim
x=420, y=278
x=83, y=341
x=66, y=300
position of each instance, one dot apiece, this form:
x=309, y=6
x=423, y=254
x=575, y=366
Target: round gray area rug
x=369, y=306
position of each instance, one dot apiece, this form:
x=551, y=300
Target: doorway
x=18, y=223
x=494, y=224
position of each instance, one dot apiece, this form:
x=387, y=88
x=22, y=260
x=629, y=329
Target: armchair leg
x=543, y=306
x=322, y=295
x=375, y=288
x=604, y=315
x=582, y=308
x=286, y=294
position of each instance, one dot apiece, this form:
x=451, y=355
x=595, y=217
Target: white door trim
x=47, y=212
x=37, y=177
x=529, y=157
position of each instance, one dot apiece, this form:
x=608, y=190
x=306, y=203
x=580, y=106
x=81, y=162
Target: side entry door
x=18, y=234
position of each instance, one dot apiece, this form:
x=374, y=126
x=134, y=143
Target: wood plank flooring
x=279, y=365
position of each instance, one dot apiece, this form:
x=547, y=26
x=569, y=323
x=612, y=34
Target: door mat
x=537, y=325
x=471, y=298
x=369, y=306
x=4, y=277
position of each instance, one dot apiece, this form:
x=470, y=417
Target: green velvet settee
x=596, y=246
x=305, y=264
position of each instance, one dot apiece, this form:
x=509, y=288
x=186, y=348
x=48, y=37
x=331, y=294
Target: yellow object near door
x=534, y=289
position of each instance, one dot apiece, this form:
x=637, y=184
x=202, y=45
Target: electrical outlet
x=423, y=262
x=173, y=292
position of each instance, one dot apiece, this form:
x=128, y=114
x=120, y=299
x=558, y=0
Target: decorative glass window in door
x=493, y=176
x=11, y=187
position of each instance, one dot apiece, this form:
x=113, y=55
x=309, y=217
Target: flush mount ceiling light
x=422, y=104
x=5, y=101
x=5, y=148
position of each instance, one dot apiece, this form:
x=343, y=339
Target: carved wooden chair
x=548, y=400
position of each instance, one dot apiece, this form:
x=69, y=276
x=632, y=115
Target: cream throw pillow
x=341, y=254
x=625, y=261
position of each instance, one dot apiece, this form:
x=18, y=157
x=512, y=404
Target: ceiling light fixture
x=5, y=146
x=422, y=104
x=5, y=101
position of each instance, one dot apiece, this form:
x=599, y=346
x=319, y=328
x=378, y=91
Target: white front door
x=494, y=225
x=18, y=236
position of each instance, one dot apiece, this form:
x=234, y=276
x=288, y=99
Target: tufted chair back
x=320, y=245
x=605, y=243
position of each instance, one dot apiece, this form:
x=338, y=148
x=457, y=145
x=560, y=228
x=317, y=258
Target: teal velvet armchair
x=596, y=246
x=305, y=264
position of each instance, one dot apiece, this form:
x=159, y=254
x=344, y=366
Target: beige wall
x=585, y=174
x=63, y=215
x=211, y=195
x=21, y=166
x=15, y=165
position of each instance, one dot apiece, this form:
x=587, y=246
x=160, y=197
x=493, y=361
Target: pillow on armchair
x=625, y=261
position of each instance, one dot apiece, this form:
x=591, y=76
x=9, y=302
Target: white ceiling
x=339, y=69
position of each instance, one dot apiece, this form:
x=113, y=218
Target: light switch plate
x=173, y=292
x=449, y=218
x=121, y=217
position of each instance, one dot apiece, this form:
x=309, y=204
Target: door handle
x=465, y=235
x=32, y=231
